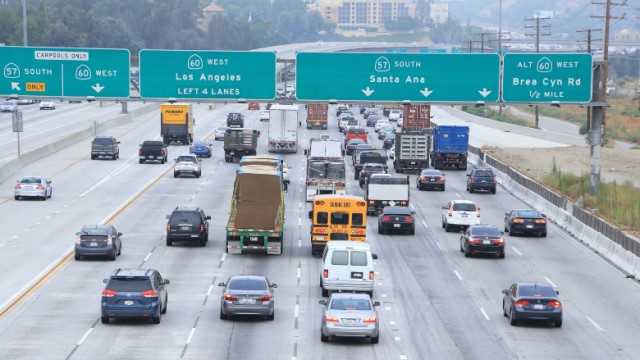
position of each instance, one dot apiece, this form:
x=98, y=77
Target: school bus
x=337, y=217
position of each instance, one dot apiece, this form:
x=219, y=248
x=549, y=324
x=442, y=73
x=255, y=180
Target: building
x=350, y=15
x=439, y=13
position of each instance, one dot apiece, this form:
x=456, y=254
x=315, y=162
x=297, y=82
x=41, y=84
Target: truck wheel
x=93, y=157
x=140, y=161
x=325, y=292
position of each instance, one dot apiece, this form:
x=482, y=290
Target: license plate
x=247, y=301
x=529, y=226
x=93, y=243
x=396, y=225
x=484, y=181
x=186, y=228
x=432, y=180
x=486, y=242
x=356, y=275
x=349, y=322
x=465, y=215
x=538, y=307
x=253, y=238
x=128, y=302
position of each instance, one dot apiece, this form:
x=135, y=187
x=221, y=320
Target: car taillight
x=386, y=218
x=369, y=320
x=265, y=298
x=325, y=273
x=541, y=221
x=109, y=240
x=521, y=303
x=518, y=221
x=440, y=178
x=474, y=241
x=168, y=227
x=423, y=178
x=18, y=186
x=40, y=187
x=163, y=152
x=372, y=275
x=109, y=293
x=228, y=297
x=330, y=318
x=150, y=294
x=78, y=239
x=201, y=227
x=554, y=304
x=403, y=203
x=140, y=152
x=498, y=241
x=493, y=178
x=408, y=219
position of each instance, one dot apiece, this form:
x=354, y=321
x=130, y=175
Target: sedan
x=200, y=149
x=247, y=295
x=33, y=187
x=350, y=315
x=98, y=240
x=219, y=133
x=264, y=115
x=532, y=301
x=396, y=219
x=47, y=105
x=482, y=239
x=523, y=222
x=431, y=179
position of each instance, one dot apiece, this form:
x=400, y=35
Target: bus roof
x=325, y=149
x=338, y=197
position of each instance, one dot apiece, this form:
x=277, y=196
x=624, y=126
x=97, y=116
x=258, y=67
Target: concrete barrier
x=9, y=168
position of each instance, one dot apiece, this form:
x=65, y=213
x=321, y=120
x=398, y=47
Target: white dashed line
x=384, y=295
x=210, y=290
x=484, y=313
x=299, y=221
x=397, y=338
x=85, y=336
x=458, y=195
x=515, y=250
x=387, y=308
x=224, y=257
x=296, y=311
x=404, y=357
x=438, y=244
x=146, y=258
x=457, y=275
x=595, y=324
x=550, y=282
x=424, y=223
x=392, y=323
x=193, y=331
x=299, y=243
x=298, y=273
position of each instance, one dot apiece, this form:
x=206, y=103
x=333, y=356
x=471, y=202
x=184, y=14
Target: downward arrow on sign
x=484, y=92
x=97, y=88
x=368, y=92
x=426, y=92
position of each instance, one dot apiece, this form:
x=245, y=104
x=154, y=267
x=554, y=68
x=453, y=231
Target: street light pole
x=24, y=23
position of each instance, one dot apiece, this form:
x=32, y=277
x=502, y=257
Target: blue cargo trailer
x=450, y=147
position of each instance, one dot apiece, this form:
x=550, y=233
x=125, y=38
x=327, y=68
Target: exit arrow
x=426, y=92
x=97, y=88
x=484, y=92
x=368, y=92
x=15, y=86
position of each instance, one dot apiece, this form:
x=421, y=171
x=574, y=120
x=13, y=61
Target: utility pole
x=599, y=112
x=537, y=20
x=589, y=41
x=25, y=41
x=470, y=46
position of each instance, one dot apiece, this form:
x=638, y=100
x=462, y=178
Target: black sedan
x=431, y=179
x=396, y=219
x=523, y=222
x=482, y=239
x=532, y=301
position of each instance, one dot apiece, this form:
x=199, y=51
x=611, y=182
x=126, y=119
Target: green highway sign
x=72, y=72
x=209, y=75
x=547, y=78
x=388, y=77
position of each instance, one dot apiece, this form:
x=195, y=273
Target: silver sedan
x=33, y=187
x=350, y=315
x=247, y=295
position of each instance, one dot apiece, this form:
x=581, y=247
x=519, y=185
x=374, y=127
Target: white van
x=347, y=266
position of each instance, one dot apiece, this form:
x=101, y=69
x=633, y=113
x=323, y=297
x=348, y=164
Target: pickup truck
x=105, y=146
x=152, y=151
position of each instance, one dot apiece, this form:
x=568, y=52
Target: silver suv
x=187, y=164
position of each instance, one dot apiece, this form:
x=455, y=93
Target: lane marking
x=387, y=308
x=397, y=338
x=298, y=272
x=296, y=310
x=484, y=313
x=515, y=250
x=458, y=195
x=210, y=290
x=85, y=336
x=299, y=221
x=458, y=275
x=146, y=258
x=404, y=357
x=392, y=323
x=595, y=324
x=299, y=243
x=438, y=244
x=424, y=223
x=193, y=331
x=550, y=282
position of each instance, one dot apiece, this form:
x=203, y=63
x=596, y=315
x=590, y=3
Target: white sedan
x=47, y=105
x=33, y=187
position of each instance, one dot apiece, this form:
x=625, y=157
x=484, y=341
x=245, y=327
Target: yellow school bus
x=337, y=217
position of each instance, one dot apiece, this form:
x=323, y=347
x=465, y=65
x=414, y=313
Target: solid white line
x=457, y=275
x=550, y=282
x=210, y=289
x=595, y=324
x=193, y=330
x=424, y=223
x=484, y=313
x=296, y=311
x=515, y=250
x=85, y=336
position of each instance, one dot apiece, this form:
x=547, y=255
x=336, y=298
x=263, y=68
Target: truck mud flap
x=233, y=247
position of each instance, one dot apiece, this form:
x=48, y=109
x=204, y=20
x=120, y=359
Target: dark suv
x=105, y=146
x=188, y=224
x=481, y=179
x=98, y=240
x=153, y=151
x=134, y=293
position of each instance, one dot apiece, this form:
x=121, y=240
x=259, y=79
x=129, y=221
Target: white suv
x=347, y=266
x=460, y=213
x=187, y=164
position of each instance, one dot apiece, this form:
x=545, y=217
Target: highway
x=435, y=302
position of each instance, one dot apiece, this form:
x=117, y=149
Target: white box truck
x=283, y=128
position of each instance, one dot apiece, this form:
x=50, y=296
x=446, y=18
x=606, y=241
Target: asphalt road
x=435, y=302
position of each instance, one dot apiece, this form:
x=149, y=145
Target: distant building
x=439, y=13
x=353, y=15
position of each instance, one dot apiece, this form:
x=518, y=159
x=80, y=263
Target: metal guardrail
x=628, y=242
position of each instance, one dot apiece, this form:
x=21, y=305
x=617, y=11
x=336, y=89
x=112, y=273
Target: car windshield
x=485, y=231
x=30, y=180
x=464, y=207
x=536, y=291
x=317, y=169
x=350, y=304
x=431, y=173
x=185, y=217
x=94, y=231
x=335, y=171
x=483, y=173
x=247, y=284
x=374, y=168
x=355, y=142
x=527, y=213
x=186, y=159
x=103, y=141
x=129, y=284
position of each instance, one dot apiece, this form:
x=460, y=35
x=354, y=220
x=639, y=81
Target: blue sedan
x=200, y=149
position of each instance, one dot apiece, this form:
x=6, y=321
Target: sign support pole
x=19, y=152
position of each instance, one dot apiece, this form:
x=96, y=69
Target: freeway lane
x=436, y=303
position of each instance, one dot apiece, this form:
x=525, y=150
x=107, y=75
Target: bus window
x=323, y=218
x=356, y=219
x=339, y=218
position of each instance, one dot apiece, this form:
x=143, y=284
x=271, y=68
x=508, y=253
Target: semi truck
x=317, y=116
x=176, y=123
x=450, y=147
x=256, y=219
x=239, y=142
x=283, y=128
x=386, y=190
x=325, y=168
x=412, y=142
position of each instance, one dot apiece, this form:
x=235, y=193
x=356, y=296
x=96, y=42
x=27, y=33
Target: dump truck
x=256, y=219
x=176, y=123
x=317, y=116
x=239, y=142
x=450, y=147
x=283, y=128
